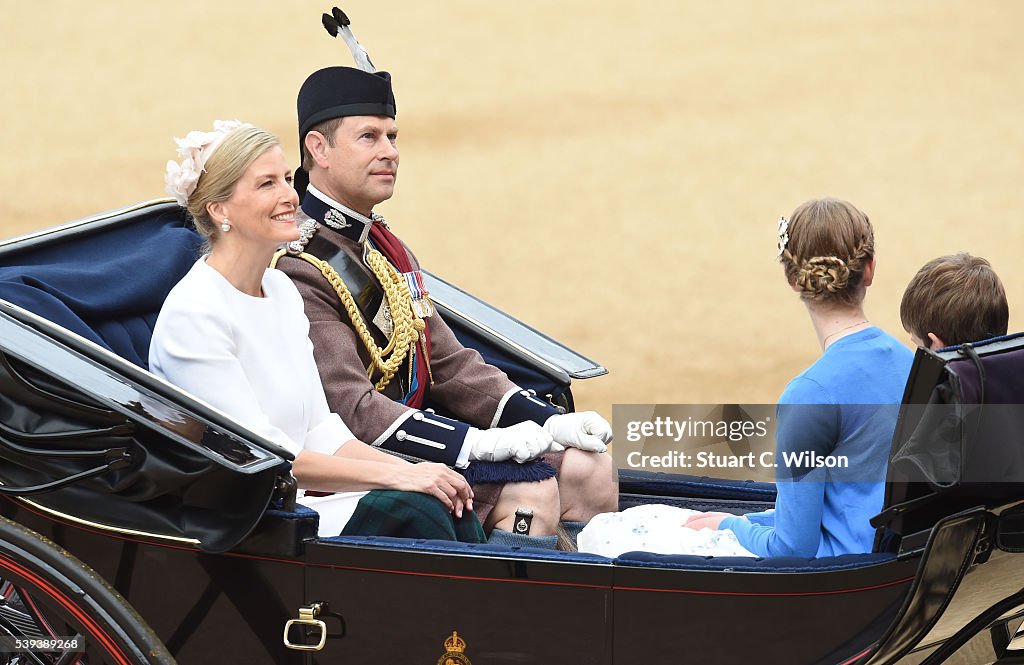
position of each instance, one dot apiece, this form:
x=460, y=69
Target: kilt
x=411, y=515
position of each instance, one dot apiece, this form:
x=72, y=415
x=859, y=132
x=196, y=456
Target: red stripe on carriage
x=60, y=597
x=854, y=659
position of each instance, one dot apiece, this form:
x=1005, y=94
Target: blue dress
x=834, y=428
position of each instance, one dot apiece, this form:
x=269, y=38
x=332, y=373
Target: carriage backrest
x=105, y=284
x=959, y=442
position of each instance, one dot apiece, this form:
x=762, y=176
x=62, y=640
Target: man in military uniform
x=384, y=353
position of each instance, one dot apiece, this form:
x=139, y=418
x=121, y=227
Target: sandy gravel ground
x=609, y=172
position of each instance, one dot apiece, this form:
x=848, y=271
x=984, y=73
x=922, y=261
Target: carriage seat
x=107, y=287
x=456, y=547
x=632, y=559
x=777, y=564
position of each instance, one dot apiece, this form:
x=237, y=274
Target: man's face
x=363, y=162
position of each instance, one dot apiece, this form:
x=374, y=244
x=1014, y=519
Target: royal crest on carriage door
x=455, y=651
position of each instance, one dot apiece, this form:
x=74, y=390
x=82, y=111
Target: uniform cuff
x=519, y=406
x=426, y=436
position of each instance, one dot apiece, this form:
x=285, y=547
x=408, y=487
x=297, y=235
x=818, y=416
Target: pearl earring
x=225, y=227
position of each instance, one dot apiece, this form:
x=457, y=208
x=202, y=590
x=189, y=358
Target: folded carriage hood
x=151, y=459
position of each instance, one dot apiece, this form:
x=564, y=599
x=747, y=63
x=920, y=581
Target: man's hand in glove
x=522, y=442
x=585, y=430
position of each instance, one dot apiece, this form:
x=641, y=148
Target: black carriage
x=148, y=527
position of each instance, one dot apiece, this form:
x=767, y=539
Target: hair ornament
x=195, y=150
x=783, y=234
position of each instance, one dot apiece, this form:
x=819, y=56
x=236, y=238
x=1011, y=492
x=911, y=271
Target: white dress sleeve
x=194, y=350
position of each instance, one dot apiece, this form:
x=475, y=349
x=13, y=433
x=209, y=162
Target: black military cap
x=337, y=92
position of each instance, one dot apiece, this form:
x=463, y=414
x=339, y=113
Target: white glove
x=521, y=442
x=585, y=430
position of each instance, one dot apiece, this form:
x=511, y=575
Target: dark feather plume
x=340, y=16
x=330, y=25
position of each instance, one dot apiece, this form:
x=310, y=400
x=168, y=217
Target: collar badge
x=336, y=220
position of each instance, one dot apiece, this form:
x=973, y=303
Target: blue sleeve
x=806, y=422
x=797, y=528
x=764, y=518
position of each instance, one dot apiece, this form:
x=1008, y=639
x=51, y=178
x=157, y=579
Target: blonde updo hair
x=224, y=168
x=830, y=242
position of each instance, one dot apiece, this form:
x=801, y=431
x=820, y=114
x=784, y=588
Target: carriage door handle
x=307, y=617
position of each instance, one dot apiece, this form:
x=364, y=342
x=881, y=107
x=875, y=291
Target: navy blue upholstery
x=676, y=484
x=301, y=512
x=736, y=507
x=107, y=287
x=985, y=342
x=643, y=559
x=778, y=564
x=465, y=548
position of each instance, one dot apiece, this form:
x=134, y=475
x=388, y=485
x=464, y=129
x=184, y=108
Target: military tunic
x=463, y=386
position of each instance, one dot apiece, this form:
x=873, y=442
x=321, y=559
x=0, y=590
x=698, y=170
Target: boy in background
x=952, y=300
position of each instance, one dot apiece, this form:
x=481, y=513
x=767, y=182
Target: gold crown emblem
x=455, y=644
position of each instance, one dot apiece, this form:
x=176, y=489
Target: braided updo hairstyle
x=830, y=242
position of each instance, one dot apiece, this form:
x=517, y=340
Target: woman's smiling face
x=261, y=210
